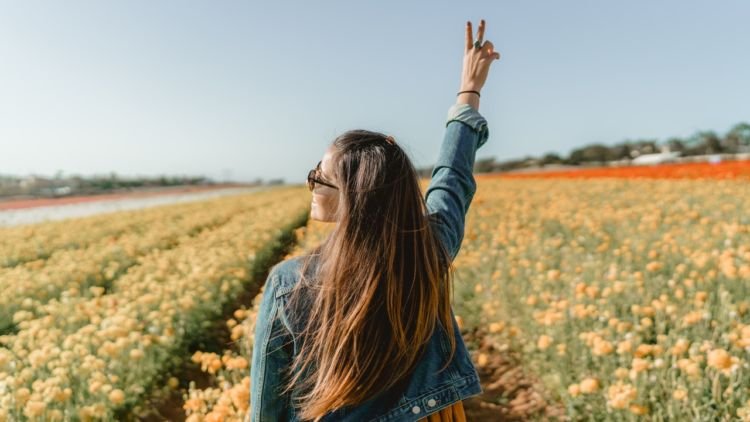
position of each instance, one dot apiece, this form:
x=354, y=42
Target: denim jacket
x=426, y=391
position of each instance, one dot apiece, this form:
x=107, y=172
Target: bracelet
x=476, y=92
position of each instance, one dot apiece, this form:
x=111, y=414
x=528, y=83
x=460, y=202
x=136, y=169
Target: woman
x=355, y=330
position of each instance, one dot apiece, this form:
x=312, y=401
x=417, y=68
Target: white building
x=665, y=156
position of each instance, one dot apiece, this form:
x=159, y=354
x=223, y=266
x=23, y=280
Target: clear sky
x=260, y=89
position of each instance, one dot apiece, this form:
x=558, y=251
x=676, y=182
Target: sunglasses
x=312, y=179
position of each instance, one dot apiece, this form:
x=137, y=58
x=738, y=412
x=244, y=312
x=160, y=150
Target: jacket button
x=415, y=409
x=431, y=402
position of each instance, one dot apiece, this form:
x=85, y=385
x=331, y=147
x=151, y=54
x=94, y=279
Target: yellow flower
x=722, y=360
x=117, y=396
x=22, y=395
x=94, y=386
x=237, y=363
x=34, y=408
x=496, y=327
x=640, y=365
x=574, y=390
x=589, y=385
x=690, y=368
x=193, y=404
x=654, y=266
x=719, y=359
x=620, y=395
x=680, y=347
x=679, y=394
x=642, y=350
x=624, y=346
x=482, y=359
x=637, y=409
x=602, y=347
x=693, y=317
x=240, y=396
x=544, y=341
x=561, y=349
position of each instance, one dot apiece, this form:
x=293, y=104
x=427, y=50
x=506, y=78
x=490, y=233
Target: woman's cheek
x=331, y=209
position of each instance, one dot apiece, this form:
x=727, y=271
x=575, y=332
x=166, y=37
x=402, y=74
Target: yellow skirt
x=453, y=413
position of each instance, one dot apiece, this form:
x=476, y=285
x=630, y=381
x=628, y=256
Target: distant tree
x=589, y=153
x=484, y=165
x=645, y=146
x=576, y=157
x=619, y=151
x=675, y=145
x=694, y=144
x=711, y=142
x=551, y=158
x=738, y=138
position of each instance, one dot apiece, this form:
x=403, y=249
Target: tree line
x=736, y=140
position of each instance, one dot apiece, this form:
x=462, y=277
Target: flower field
x=91, y=352
x=737, y=169
x=230, y=370
x=627, y=298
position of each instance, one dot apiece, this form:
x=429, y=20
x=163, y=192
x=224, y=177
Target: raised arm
x=452, y=185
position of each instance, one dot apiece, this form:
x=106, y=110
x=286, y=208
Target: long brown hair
x=382, y=281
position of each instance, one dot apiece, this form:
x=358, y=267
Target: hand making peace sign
x=477, y=59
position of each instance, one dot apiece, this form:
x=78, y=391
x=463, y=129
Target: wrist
x=468, y=98
x=470, y=87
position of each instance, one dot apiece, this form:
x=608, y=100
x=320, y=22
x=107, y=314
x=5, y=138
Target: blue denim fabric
x=427, y=391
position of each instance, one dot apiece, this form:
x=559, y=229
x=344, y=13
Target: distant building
x=665, y=156
x=31, y=182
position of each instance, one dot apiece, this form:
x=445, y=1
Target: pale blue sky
x=260, y=89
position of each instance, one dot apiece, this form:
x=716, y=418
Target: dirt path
x=510, y=392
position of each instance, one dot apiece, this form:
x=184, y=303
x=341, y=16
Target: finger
x=496, y=56
x=489, y=48
x=480, y=31
x=469, y=36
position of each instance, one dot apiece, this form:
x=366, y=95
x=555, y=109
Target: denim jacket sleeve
x=269, y=358
x=452, y=185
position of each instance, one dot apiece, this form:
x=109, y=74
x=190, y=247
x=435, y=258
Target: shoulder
x=286, y=274
x=286, y=267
